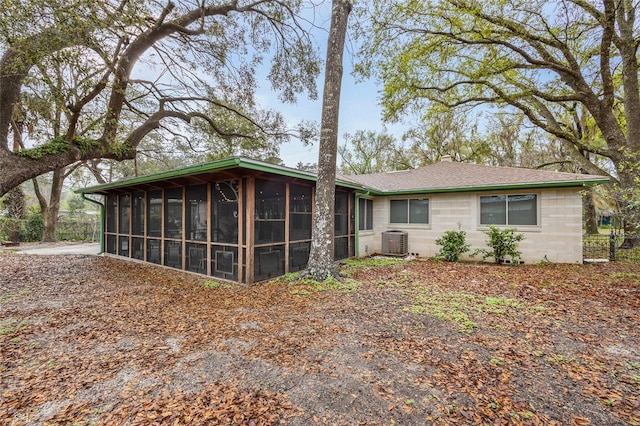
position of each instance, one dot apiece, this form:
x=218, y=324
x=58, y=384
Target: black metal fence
x=611, y=247
x=84, y=229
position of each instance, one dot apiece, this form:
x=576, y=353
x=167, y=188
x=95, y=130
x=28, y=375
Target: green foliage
x=57, y=146
x=370, y=152
x=76, y=204
x=212, y=284
x=303, y=286
x=9, y=229
x=454, y=245
x=502, y=243
x=460, y=307
x=33, y=225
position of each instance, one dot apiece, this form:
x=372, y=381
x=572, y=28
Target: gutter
x=84, y=197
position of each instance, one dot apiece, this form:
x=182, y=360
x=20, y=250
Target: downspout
x=84, y=197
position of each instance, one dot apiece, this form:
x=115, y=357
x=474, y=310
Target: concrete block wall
x=557, y=237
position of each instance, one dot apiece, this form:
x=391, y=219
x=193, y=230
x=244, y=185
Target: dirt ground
x=93, y=340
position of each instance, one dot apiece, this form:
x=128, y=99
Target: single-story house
x=245, y=221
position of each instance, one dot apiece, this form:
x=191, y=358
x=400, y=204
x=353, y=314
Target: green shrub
x=454, y=245
x=33, y=226
x=502, y=243
x=9, y=229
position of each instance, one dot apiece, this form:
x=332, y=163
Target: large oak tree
x=141, y=66
x=550, y=60
x=321, y=265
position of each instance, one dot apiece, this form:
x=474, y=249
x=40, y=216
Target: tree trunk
x=321, y=259
x=628, y=197
x=50, y=209
x=590, y=215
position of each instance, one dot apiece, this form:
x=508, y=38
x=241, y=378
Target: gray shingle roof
x=455, y=176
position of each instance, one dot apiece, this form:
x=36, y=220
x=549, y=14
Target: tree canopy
x=567, y=65
x=134, y=67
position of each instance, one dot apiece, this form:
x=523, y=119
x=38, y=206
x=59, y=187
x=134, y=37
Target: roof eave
x=532, y=185
x=211, y=167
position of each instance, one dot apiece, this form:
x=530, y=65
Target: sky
x=359, y=101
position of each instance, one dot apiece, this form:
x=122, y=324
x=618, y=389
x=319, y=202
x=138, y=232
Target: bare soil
x=95, y=340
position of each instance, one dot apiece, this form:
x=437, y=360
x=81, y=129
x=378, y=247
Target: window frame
x=409, y=211
x=365, y=214
x=506, y=224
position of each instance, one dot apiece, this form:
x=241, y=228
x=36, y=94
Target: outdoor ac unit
x=395, y=243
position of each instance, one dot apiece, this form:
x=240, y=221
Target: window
x=173, y=213
x=124, y=212
x=410, y=211
x=224, y=212
x=509, y=210
x=154, y=208
x=112, y=205
x=365, y=211
x=137, y=213
x=341, y=224
x=196, y=212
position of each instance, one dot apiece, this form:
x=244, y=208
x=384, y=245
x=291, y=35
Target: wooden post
x=248, y=228
x=241, y=231
x=183, y=231
x=287, y=196
x=209, y=225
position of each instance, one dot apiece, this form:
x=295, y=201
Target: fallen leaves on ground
x=86, y=340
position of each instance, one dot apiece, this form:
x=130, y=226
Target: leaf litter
x=97, y=340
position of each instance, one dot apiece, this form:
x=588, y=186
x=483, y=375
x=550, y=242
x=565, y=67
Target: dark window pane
x=342, y=202
x=523, y=209
x=137, y=214
x=269, y=231
x=399, y=211
x=154, y=208
x=365, y=207
x=419, y=211
x=341, y=219
x=197, y=212
x=341, y=248
x=197, y=258
x=224, y=262
x=352, y=246
x=298, y=256
x=153, y=251
x=173, y=254
x=224, y=212
x=112, y=202
x=268, y=262
x=299, y=226
x=352, y=213
x=112, y=245
x=137, y=248
x=124, y=213
x=173, y=213
x=493, y=210
x=123, y=246
x=300, y=199
x=269, y=224
x=269, y=199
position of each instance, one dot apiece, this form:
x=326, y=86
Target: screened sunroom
x=235, y=219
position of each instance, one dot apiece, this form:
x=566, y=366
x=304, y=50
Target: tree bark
x=590, y=215
x=321, y=259
x=51, y=209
